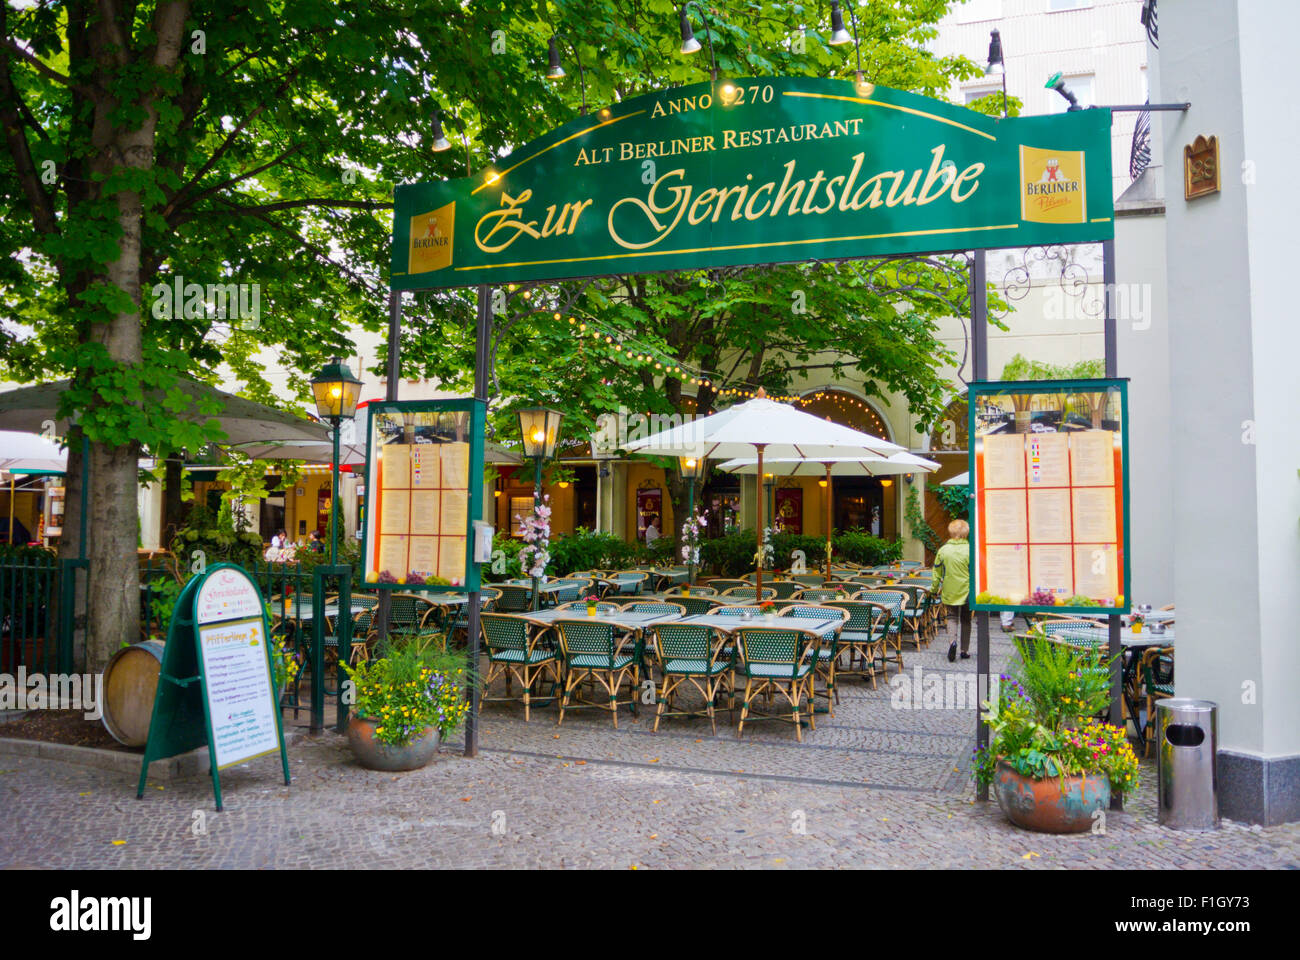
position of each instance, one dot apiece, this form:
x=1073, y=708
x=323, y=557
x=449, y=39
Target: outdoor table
x=302, y=610
x=730, y=624
x=620, y=580
x=628, y=621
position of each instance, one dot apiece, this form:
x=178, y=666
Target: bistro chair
x=603, y=607
x=688, y=653
x=828, y=651
x=818, y=594
x=860, y=637
x=514, y=598
x=776, y=662
x=455, y=619
x=808, y=579
x=914, y=613
x=749, y=592
x=659, y=607
x=694, y=605
x=698, y=590
x=1157, y=672
x=786, y=589
x=593, y=652
x=512, y=653
x=739, y=612
x=632, y=586
x=722, y=586
x=891, y=628
x=406, y=611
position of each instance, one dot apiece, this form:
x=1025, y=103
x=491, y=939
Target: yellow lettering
x=728, y=139
x=937, y=170
x=706, y=197
x=970, y=173
x=505, y=219
x=749, y=204
x=786, y=191
x=909, y=196
x=651, y=208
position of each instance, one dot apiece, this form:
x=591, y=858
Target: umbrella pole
x=828, y=523
x=10, y=541
x=758, y=507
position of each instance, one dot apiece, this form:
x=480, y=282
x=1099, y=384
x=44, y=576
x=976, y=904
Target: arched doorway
x=858, y=503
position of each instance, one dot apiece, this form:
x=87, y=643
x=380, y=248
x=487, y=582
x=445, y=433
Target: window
x=975, y=10
x=1080, y=86
x=971, y=94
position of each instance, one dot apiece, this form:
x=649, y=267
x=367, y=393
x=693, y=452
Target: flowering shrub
x=286, y=665
x=1045, y=723
x=691, y=538
x=534, y=555
x=406, y=691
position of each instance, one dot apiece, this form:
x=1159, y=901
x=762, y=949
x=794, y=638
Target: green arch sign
x=750, y=171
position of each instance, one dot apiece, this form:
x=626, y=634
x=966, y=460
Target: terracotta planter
x=1048, y=806
x=374, y=755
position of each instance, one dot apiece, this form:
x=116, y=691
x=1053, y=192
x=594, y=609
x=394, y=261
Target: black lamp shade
x=839, y=35
x=689, y=43
x=554, y=71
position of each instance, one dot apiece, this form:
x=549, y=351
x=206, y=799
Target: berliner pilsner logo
x=1052, y=186
x=431, y=239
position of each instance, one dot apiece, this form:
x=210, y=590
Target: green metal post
x=334, y=498
x=690, y=518
x=537, y=502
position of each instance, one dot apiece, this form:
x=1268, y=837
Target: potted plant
x=1051, y=761
x=768, y=609
x=592, y=608
x=405, y=702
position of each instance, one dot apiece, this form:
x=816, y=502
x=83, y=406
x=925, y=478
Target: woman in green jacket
x=952, y=571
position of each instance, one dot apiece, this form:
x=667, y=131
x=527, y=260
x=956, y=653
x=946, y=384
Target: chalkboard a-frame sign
x=216, y=686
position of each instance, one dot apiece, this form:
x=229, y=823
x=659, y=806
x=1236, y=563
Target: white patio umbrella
x=30, y=453
x=835, y=466
x=961, y=480
x=27, y=453
x=764, y=427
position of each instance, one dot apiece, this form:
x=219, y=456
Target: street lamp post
x=540, y=429
x=690, y=467
x=336, y=391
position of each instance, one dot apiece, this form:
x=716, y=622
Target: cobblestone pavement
x=872, y=787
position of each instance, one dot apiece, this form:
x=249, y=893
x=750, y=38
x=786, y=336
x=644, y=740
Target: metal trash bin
x=1188, y=732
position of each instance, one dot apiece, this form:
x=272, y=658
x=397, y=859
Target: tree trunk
x=175, y=510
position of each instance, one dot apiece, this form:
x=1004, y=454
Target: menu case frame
x=1034, y=389
x=474, y=414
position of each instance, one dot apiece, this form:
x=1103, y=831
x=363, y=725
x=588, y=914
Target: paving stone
x=873, y=787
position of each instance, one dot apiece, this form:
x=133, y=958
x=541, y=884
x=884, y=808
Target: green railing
x=29, y=625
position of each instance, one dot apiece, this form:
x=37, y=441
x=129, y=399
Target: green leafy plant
x=1044, y=722
x=916, y=520
x=858, y=546
x=954, y=500
x=412, y=686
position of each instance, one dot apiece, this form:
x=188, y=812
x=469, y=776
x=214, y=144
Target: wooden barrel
x=130, y=681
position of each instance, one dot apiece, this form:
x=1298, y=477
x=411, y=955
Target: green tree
x=257, y=142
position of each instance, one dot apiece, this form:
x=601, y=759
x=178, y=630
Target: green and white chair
x=860, y=638
x=890, y=628
x=777, y=663
x=593, y=653
x=828, y=653
x=688, y=653
x=516, y=655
